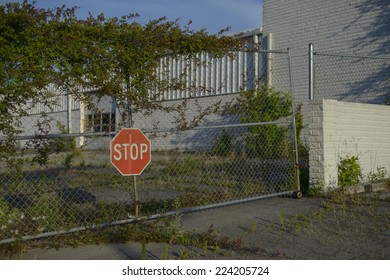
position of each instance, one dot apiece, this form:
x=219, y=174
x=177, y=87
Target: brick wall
x=338, y=129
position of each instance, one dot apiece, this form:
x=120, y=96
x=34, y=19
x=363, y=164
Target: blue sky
x=213, y=15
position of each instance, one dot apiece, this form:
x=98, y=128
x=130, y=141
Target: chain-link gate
x=212, y=150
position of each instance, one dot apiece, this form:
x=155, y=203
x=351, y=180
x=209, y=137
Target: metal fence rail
x=56, y=182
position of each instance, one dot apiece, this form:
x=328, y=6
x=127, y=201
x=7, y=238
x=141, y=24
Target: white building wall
x=351, y=27
x=172, y=137
x=358, y=27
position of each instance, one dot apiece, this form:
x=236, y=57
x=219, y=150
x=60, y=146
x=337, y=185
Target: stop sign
x=130, y=151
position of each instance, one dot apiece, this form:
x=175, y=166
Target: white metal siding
x=208, y=76
x=58, y=102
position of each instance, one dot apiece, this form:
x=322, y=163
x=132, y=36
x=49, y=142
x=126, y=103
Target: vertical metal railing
x=311, y=71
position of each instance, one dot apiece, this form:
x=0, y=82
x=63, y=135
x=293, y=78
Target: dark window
x=101, y=122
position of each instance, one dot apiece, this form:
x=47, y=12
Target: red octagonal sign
x=130, y=151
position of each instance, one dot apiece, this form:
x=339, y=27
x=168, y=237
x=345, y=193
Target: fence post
x=269, y=59
x=298, y=193
x=311, y=72
x=69, y=104
x=256, y=61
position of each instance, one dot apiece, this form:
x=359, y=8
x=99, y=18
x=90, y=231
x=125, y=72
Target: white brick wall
x=338, y=129
x=316, y=140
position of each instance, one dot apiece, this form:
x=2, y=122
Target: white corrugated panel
x=206, y=75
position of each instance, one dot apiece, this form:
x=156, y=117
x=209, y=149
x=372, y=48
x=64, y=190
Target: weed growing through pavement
x=165, y=254
x=183, y=255
x=282, y=218
x=378, y=175
x=315, y=191
x=143, y=250
x=253, y=227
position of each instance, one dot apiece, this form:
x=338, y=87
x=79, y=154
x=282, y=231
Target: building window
x=101, y=122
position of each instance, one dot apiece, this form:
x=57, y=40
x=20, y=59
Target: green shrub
x=63, y=144
x=349, y=171
x=68, y=160
x=315, y=191
x=265, y=105
x=10, y=219
x=46, y=212
x=223, y=144
x=267, y=142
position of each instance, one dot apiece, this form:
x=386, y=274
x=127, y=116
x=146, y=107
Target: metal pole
x=136, y=198
x=296, y=163
x=69, y=113
x=269, y=59
x=311, y=72
x=256, y=61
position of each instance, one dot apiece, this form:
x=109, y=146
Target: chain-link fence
x=351, y=77
x=209, y=151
